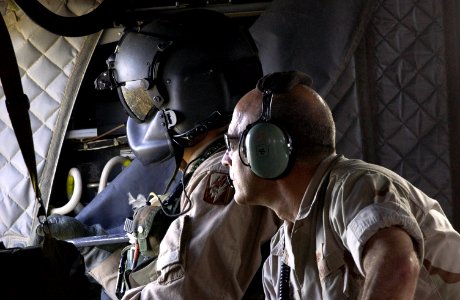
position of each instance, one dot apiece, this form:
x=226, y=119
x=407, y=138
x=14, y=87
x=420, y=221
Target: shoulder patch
x=218, y=190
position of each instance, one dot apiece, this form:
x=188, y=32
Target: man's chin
x=240, y=200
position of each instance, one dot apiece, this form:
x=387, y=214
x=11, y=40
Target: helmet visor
x=136, y=99
x=134, y=70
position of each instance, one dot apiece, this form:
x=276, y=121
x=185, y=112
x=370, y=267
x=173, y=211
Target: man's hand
x=64, y=228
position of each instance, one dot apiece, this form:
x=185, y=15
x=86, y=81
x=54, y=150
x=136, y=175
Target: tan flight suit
x=324, y=248
x=211, y=252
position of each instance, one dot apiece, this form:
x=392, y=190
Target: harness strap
x=17, y=105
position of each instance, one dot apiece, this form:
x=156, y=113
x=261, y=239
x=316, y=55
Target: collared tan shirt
x=324, y=248
x=213, y=251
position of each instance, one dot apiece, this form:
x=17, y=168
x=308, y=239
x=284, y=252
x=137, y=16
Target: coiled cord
x=283, y=287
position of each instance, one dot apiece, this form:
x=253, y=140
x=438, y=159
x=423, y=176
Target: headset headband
x=266, y=106
x=265, y=147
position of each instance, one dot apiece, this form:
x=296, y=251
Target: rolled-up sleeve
x=365, y=201
x=375, y=217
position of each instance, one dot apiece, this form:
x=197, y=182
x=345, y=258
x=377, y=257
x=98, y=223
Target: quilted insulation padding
x=390, y=103
x=390, y=99
x=51, y=69
x=407, y=89
x=401, y=118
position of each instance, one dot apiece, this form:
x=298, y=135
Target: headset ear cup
x=267, y=150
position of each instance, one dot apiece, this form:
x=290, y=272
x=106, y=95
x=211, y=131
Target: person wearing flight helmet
x=179, y=78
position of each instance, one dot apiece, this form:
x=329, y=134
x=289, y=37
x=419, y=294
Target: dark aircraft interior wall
x=390, y=72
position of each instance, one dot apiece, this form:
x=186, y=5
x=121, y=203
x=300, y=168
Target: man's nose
x=226, y=160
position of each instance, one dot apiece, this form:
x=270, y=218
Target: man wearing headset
x=179, y=78
x=351, y=229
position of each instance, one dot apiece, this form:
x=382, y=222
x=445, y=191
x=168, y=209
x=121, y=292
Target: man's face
x=249, y=188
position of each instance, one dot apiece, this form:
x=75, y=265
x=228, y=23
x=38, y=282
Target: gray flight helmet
x=180, y=76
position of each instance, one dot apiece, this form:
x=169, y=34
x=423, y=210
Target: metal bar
x=98, y=240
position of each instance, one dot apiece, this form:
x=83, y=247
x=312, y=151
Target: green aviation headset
x=264, y=146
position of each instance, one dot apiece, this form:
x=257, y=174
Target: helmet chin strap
x=195, y=135
x=178, y=156
x=191, y=137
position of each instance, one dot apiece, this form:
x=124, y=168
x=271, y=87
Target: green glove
x=64, y=228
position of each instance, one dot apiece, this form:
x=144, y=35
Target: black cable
x=283, y=286
x=174, y=199
x=100, y=18
x=180, y=188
